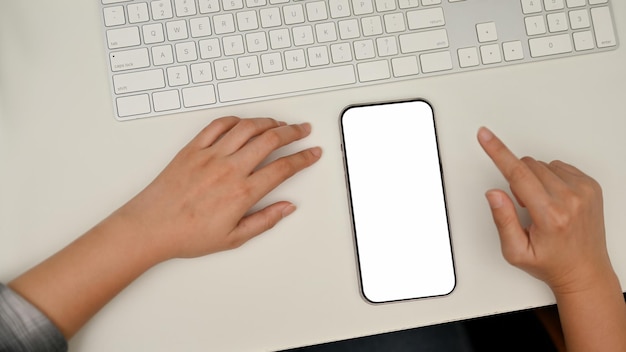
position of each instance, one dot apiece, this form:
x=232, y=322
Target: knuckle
x=243, y=191
x=235, y=242
x=221, y=122
x=558, y=218
x=286, y=166
x=556, y=163
x=590, y=187
x=518, y=173
x=272, y=139
x=514, y=257
x=246, y=125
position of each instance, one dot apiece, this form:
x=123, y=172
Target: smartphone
x=397, y=200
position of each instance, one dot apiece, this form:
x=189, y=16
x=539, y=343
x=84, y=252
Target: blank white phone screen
x=397, y=198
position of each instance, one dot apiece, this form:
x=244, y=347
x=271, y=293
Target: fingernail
x=306, y=126
x=288, y=210
x=317, y=152
x=494, y=199
x=484, y=134
x=282, y=123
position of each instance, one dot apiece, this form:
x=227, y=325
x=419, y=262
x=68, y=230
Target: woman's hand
x=199, y=204
x=565, y=243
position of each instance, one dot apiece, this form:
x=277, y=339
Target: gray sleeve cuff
x=24, y=328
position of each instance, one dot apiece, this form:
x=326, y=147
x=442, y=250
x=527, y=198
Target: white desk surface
x=66, y=163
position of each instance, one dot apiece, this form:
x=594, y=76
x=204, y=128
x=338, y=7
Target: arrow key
x=513, y=51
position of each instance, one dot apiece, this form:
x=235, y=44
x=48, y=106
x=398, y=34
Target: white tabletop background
x=66, y=163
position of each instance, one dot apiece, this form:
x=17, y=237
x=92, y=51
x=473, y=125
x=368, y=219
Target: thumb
x=513, y=237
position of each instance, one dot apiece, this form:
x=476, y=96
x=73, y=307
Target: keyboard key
x=185, y=8
x=579, y=19
x=186, y=52
x=224, y=23
x=153, y=33
x=394, y=23
x=198, y=96
x=123, y=37
x=490, y=54
x=200, y=27
x=161, y=9
x=209, y=48
x=318, y=56
x=583, y=41
x=407, y=4
x=362, y=7
x=286, y=83
x=208, y=6
x=303, y=35
x=385, y=5
x=232, y=4
x=316, y=11
x=339, y=8
x=387, y=46
x=468, y=57
x=176, y=30
x=256, y=3
x=441, y=61
x=225, y=69
x=280, y=39
x=603, y=26
x=166, y=100
x=420, y=19
x=371, y=26
x=295, y=59
x=554, y=45
x=247, y=21
x=114, y=16
x=177, y=76
x=162, y=55
x=551, y=5
x=557, y=22
x=535, y=25
x=421, y=41
x=133, y=105
x=373, y=71
x=129, y=59
x=325, y=32
x=341, y=53
x=138, y=13
x=256, y=42
x=293, y=14
x=531, y=6
x=201, y=72
x=576, y=3
x=248, y=66
x=513, y=51
x=364, y=49
x=405, y=66
x=138, y=81
x=271, y=63
x=270, y=17
x=486, y=32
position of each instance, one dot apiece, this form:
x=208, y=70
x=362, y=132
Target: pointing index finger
x=524, y=183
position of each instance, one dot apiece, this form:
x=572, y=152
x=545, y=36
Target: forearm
x=74, y=284
x=594, y=319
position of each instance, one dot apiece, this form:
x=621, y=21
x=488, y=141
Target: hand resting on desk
x=198, y=205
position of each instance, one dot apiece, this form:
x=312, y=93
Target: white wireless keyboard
x=169, y=56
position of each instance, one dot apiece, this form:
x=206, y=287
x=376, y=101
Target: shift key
x=138, y=81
